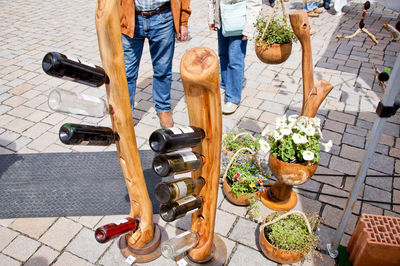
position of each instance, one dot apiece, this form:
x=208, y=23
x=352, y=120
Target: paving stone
x=352, y=153
x=43, y=256
x=379, y=195
x=7, y=236
x=330, y=135
x=326, y=235
x=336, y=201
x=19, y=143
x=332, y=217
x=230, y=208
x=309, y=189
x=18, y=125
x=60, y=233
x=8, y=137
x=245, y=232
x=14, y=248
x=341, y=117
x=84, y=245
x=307, y=205
x=36, y=130
x=67, y=258
x=324, y=175
x=334, y=126
x=382, y=163
x=247, y=256
x=371, y=209
x=32, y=227
x=273, y=107
x=43, y=141
x=88, y=221
x=344, y=165
x=353, y=140
x=223, y=222
x=5, y=260
x=356, y=130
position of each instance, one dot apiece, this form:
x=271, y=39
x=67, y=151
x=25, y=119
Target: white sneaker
x=229, y=108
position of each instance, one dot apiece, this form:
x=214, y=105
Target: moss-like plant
x=235, y=140
x=278, y=31
x=291, y=232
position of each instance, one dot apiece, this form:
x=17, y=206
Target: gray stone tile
x=5, y=260
x=14, y=248
x=245, y=232
x=378, y=195
x=247, y=256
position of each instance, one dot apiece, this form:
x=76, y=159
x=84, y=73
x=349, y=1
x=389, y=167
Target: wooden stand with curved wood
x=143, y=244
x=281, y=195
x=199, y=71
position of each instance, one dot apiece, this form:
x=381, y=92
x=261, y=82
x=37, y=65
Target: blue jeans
x=159, y=30
x=310, y=6
x=231, y=52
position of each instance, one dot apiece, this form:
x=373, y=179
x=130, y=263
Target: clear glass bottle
x=110, y=231
x=78, y=134
x=177, y=162
x=179, y=244
x=75, y=103
x=175, y=138
x=174, y=190
x=173, y=210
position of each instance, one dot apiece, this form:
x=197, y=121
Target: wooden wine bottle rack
x=142, y=244
x=199, y=71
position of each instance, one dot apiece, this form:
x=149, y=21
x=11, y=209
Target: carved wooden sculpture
x=281, y=195
x=144, y=242
x=199, y=72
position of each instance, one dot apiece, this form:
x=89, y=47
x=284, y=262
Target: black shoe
x=320, y=5
x=272, y=3
x=326, y=6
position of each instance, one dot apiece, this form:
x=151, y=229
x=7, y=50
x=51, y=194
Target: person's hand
x=212, y=27
x=244, y=37
x=183, y=33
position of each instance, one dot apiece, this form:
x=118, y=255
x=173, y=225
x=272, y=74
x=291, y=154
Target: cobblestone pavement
x=31, y=28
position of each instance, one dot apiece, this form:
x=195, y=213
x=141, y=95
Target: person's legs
x=235, y=69
x=223, y=46
x=162, y=43
x=133, y=48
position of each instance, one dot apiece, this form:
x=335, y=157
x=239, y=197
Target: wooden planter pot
x=273, y=54
x=281, y=196
x=278, y=255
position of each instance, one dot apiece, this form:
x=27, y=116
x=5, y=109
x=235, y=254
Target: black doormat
x=68, y=184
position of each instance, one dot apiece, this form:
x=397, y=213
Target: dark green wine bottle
x=59, y=66
x=77, y=134
x=175, y=138
x=174, y=210
x=177, y=162
x=174, y=190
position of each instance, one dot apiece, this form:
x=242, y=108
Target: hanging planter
x=274, y=37
x=288, y=238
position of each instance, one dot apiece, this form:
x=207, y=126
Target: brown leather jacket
x=180, y=13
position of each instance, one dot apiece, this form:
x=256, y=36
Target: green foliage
x=291, y=233
x=278, y=31
x=232, y=143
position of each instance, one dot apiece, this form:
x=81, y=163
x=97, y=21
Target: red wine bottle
x=177, y=162
x=59, y=66
x=175, y=138
x=174, y=210
x=177, y=189
x=77, y=134
x=110, y=231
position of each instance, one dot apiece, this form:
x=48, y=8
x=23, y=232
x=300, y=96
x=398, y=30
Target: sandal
x=318, y=11
x=312, y=14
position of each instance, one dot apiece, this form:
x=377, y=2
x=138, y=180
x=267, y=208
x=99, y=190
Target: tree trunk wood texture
x=313, y=94
x=112, y=57
x=199, y=71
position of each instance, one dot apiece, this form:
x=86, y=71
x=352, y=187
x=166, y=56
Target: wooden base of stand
x=277, y=205
x=217, y=257
x=147, y=253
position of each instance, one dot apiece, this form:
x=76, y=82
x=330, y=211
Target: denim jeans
x=159, y=30
x=231, y=52
x=310, y=6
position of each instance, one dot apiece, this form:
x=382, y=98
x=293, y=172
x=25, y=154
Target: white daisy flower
x=327, y=146
x=286, y=130
x=298, y=139
x=308, y=155
x=315, y=121
x=280, y=122
x=264, y=145
x=268, y=130
x=277, y=135
x=309, y=130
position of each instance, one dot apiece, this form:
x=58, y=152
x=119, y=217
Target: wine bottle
x=177, y=189
x=176, y=162
x=175, y=138
x=171, y=211
x=58, y=65
x=75, y=103
x=179, y=244
x=383, y=76
x=76, y=134
x=110, y=231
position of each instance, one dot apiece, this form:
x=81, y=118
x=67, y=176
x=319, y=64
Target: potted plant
x=243, y=174
x=288, y=237
x=294, y=147
x=274, y=37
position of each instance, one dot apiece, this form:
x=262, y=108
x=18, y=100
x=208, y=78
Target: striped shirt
x=147, y=5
